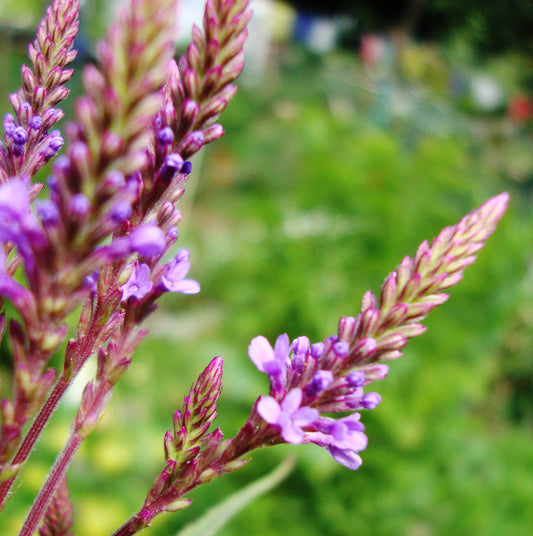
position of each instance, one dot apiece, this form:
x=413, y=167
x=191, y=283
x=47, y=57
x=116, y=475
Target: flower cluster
x=305, y=385
x=106, y=220
x=310, y=380
x=97, y=239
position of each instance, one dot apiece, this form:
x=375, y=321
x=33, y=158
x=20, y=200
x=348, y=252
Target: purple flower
x=139, y=284
x=342, y=438
x=147, y=240
x=177, y=269
x=14, y=200
x=347, y=433
x=349, y=439
x=18, y=149
x=289, y=416
x=17, y=222
x=273, y=361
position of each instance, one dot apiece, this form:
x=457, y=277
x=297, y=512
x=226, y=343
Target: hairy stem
x=50, y=486
x=34, y=432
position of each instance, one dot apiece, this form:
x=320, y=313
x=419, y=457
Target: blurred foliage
x=21, y=14
x=490, y=26
x=326, y=178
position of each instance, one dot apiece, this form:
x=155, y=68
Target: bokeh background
x=360, y=129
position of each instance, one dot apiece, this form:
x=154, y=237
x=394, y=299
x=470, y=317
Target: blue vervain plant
x=93, y=240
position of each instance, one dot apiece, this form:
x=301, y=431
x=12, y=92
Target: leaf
x=216, y=517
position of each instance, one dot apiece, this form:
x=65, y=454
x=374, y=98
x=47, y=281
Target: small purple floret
x=174, y=161
x=289, y=416
x=139, y=284
x=343, y=438
x=18, y=149
x=147, y=240
x=176, y=271
x=273, y=361
x=172, y=164
x=348, y=440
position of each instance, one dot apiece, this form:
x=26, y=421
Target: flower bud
x=165, y=136
x=320, y=382
x=186, y=168
x=47, y=211
x=370, y=400
x=121, y=211
x=192, y=143
x=147, y=240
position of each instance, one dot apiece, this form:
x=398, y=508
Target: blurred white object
x=190, y=12
x=257, y=47
x=323, y=35
x=486, y=93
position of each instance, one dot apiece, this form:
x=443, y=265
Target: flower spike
x=329, y=377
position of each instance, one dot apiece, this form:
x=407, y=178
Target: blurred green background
x=332, y=170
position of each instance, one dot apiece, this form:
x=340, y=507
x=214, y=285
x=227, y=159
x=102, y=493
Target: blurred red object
x=520, y=108
x=372, y=49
